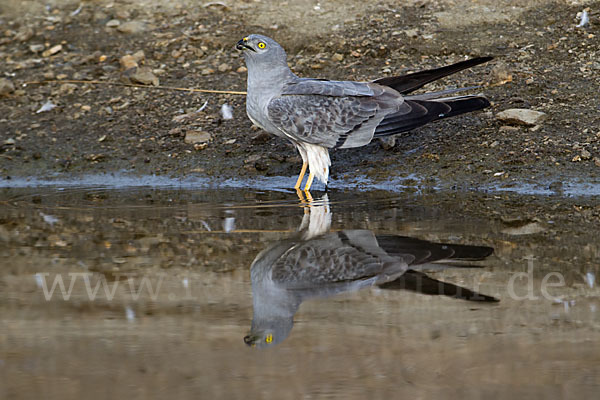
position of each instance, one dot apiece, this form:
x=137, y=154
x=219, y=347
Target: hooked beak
x=250, y=339
x=243, y=44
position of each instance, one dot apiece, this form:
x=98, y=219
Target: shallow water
x=158, y=299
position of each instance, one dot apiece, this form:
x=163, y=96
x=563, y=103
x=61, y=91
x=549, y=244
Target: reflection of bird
x=318, y=114
x=293, y=270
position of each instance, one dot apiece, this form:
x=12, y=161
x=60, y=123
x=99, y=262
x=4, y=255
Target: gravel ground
x=544, y=62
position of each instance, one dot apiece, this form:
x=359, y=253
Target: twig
x=134, y=85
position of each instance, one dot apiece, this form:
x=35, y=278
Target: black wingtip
x=411, y=82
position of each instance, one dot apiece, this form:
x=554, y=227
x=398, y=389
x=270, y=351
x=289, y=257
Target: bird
x=319, y=114
x=316, y=262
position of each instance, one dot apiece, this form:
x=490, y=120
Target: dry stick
x=133, y=85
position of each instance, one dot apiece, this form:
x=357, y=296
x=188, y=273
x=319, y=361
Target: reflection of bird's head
x=267, y=333
x=259, y=49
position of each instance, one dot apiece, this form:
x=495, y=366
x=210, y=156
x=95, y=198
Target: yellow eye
x=269, y=337
x=261, y=45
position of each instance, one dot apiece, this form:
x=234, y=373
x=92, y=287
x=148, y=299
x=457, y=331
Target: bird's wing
x=324, y=87
x=339, y=114
x=326, y=121
x=337, y=258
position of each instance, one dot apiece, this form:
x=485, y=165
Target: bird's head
x=262, y=50
x=269, y=332
x=260, y=339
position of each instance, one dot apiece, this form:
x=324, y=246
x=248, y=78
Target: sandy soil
x=543, y=62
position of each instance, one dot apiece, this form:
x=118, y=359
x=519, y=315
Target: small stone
x=192, y=137
x=6, y=87
x=208, y=71
x=597, y=161
x=9, y=142
x=262, y=137
x=224, y=67
x=86, y=108
x=132, y=27
x=412, y=33
x=128, y=61
x=527, y=228
x=49, y=75
x=200, y=146
x=585, y=155
x=52, y=50
x=24, y=35
x=36, y=48
x=144, y=76
x=501, y=74
x=61, y=76
x=387, y=142
x=67, y=88
x=252, y=159
x=521, y=116
x=139, y=56
x=338, y=57
x=229, y=142
x=113, y=23
x=241, y=70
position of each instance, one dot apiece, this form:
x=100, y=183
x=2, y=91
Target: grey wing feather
x=331, y=88
x=324, y=120
x=336, y=258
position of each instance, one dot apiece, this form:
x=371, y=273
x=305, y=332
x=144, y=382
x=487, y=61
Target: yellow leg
x=309, y=181
x=301, y=176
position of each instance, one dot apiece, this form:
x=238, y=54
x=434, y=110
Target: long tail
x=427, y=252
x=411, y=82
x=420, y=112
x=421, y=109
x=416, y=281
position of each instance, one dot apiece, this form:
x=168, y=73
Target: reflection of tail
x=427, y=252
x=419, y=282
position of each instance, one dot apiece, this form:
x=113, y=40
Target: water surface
x=157, y=296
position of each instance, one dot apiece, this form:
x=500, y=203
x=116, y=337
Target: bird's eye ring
x=269, y=337
x=261, y=45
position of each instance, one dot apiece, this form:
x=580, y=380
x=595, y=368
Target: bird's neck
x=268, y=80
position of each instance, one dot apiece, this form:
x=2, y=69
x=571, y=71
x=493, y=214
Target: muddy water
x=147, y=292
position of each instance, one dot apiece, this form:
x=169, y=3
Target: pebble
x=52, y=50
x=128, y=61
x=525, y=229
x=521, y=116
x=6, y=87
x=224, y=67
x=36, y=48
x=113, y=23
x=132, y=27
x=387, y=142
x=144, y=76
x=337, y=57
x=193, y=137
x=67, y=88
